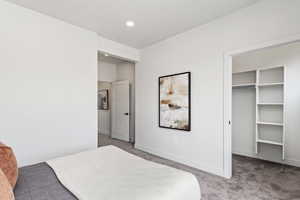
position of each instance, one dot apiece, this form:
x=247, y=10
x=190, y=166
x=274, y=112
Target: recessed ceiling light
x=106, y=55
x=130, y=23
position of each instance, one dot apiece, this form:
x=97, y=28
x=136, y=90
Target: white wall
x=107, y=71
x=289, y=56
x=201, y=51
x=244, y=121
x=118, y=50
x=104, y=116
x=126, y=71
x=48, y=85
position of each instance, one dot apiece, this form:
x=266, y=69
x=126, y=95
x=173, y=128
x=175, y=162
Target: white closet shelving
x=244, y=85
x=270, y=104
x=269, y=86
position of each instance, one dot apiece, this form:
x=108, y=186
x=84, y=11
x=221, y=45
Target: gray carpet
x=252, y=179
x=39, y=182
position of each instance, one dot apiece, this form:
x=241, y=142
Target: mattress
x=39, y=182
x=112, y=174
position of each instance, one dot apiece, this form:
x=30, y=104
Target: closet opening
x=265, y=107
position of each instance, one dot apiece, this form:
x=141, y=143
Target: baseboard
x=293, y=162
x=287, y=161
x=209, y=169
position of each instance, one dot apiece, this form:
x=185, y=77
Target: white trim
x=284, y=114
x=227, y=157
x=256, y=109
x=227, y=91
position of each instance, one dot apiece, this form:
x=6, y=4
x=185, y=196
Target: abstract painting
x=174, y=101
x=103, y=100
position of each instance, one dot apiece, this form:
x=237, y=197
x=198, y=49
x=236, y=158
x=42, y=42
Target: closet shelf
x=270, y=123
x=270, y=84
x=259, y=85
x=270, y=104
x=270, y=142
x=243, y=85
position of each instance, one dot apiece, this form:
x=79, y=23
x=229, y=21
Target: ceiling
x=155, y=19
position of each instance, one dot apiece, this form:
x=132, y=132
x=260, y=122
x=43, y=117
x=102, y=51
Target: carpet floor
x=252, y=179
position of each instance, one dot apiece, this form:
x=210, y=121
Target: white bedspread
x=110, y=173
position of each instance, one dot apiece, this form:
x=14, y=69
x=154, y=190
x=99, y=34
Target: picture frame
x=175, y=101
x=103, y=100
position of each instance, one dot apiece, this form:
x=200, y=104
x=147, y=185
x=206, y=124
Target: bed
x=106, y=173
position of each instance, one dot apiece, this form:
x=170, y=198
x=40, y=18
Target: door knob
x=126, y=113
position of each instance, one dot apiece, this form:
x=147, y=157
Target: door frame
x=113, y=107
x=227, y=98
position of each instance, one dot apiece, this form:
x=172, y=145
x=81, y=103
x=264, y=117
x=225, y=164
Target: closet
x=259, y=112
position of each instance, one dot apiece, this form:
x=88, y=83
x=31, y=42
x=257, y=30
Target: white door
x=120, y=110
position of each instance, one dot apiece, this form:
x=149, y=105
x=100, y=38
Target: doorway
x=116, y=98
x=271, y=109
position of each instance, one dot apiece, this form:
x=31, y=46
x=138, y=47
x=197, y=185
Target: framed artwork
x=175, y=101
x=103, y=100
